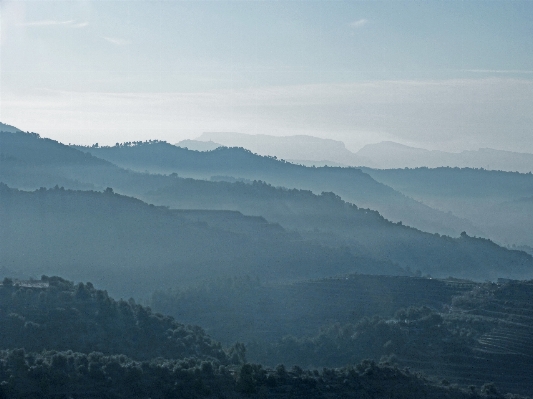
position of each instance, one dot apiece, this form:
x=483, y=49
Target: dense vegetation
x=244, y=309
x=122, y=350
x=464, y=332
x=55, y=374
x=53, y=313
x=272, y=267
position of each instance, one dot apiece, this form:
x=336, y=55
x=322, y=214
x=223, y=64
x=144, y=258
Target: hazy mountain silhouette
x=324, y=218
x=309, y=151
x=331, y=221
x=494, y=200
x=298, y=149
x=351, y=184
x=390, y=155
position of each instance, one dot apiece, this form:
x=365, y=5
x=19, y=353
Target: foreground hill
x=247, y=310
x=473, y=194
x=55, y=374
x=53, y=313
x=351, y=184
x=162, y=357
x=484, y=335
x=464, y=332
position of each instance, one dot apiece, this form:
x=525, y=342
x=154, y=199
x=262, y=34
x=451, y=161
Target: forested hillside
x=136, y=248
x=121, y=349
x=462, y=331
x=351, y=184
x=483, y=335
x=326, y=219
x=53, y=313
x=247, y=310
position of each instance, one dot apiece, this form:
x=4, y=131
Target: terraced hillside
x=464, y=332
x=508, y=308
x=502, y=349
x=483, y=335
x=245, y=310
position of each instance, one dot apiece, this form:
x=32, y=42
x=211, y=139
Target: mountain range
x=309, y=150
x=356, y=238
x=306, y=265
x=351, y=184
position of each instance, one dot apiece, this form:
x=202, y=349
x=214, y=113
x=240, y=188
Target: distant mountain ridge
x=197, y=145
x=291, y=148
x=390, y=155
x=311, y=150
x=472, y=194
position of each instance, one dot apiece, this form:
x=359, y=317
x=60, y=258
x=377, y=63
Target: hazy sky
x=446, y=75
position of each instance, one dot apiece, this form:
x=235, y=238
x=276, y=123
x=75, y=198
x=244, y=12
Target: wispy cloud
x=116, y=41
x=359, y=23
x=516, y=71
x=450, y=115
x=51, y=22
x=80, y=25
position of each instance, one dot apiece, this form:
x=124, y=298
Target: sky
x=450, y=75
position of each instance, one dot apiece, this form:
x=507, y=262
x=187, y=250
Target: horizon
x=210, y=140
x=436, y=76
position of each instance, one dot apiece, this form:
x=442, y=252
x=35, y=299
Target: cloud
x=50, y=22
x=450, y=115
x=359, y=23
x=116, y=41
x=80, y=25
x=514, y=71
